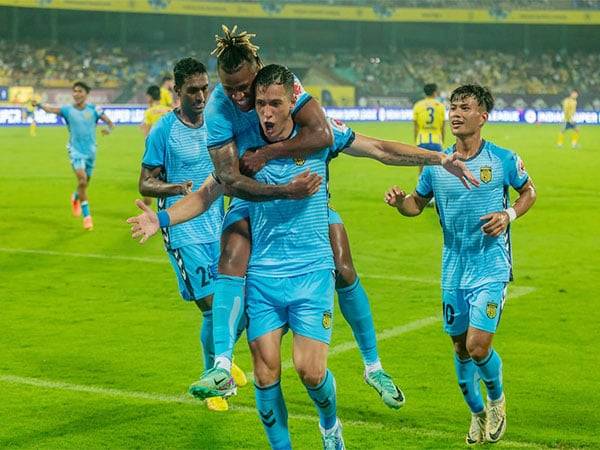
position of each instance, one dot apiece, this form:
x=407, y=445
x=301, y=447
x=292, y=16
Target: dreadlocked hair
x=234, y=49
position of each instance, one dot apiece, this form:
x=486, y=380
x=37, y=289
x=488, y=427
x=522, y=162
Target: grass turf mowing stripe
x=165, y=398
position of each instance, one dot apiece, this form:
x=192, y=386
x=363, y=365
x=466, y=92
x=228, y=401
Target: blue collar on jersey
x=475, y=155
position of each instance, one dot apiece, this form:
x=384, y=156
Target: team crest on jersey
x=87, y=115
x=299, y=161
x=485, y=174
x=491, y=310
x=520, y=167
x=327, y=320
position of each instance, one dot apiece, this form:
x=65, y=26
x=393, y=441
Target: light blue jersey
x=182, y=154
x=470, y=257
x=291, y=237
x=82, y=128
x=226, y=123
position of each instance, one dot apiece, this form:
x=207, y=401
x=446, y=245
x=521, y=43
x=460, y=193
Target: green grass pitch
x=97, y=350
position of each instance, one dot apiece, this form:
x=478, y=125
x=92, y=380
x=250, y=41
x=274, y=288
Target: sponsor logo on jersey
x=491, y=310
x=485, y=174
x=299, y=161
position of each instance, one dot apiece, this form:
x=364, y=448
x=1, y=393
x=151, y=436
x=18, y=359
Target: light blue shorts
x=303, y=303
x=196, y=269
x=334, y=217
x=80, y=161
x=238, y=210
x=480, y=308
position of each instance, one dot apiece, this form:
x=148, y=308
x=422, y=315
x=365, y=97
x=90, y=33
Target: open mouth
x=269, y=126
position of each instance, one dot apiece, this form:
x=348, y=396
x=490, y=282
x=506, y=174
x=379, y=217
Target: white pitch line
x=515, y=291
x=182, y=399
x=385, y=334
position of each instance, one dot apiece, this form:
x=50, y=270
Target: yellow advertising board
x=318, y=12
x=331, y=95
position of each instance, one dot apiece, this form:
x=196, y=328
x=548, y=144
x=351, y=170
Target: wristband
x=512, y=214
x=163, y=218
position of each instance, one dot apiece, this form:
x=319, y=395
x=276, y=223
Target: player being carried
x=477, y=260
x=569, y=106
x=229, y=114
x=81, y=119
x=353, y=300
x=275, y=101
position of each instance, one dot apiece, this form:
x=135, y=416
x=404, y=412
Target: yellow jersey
x=155, y=112
x=569, y=106
x=166, y=98
x=429, y=115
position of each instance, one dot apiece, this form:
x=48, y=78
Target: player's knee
x=311, y=375
x=82, y=182
x=233, y=262
x=265, y=375
x=460, y=348
x=345, y=274
x=477, y=350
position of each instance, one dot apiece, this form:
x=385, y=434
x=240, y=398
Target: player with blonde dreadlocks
x=229, y=114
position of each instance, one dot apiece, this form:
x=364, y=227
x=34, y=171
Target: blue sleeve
x=64, y=112
x=515, y=174
x=425, y=186
x=98, y=111
x=219, y=121
x=343, y=136
x=156, y=145
x=302, y=97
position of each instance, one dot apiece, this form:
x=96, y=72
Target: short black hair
x=83, y=86
x=480, y=93
x=185, y=68
x=430, y=89
x=275, y=74
x=166, y=78
x=154, y=92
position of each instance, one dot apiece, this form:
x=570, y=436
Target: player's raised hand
x=459, y=169
x=495, y=223
x=186, y=187
x=394, y=196
x=304, y=185
x=145, y=225
x=251, y=162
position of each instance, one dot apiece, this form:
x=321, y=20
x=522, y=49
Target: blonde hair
x=233, y=49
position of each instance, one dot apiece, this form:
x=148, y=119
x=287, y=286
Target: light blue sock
x=273, y=414
x=206, y=339
x=490, y=370
x=468, y=380
x=85, y=208
x=354, y=304
x=228, y=311
x=323, y=396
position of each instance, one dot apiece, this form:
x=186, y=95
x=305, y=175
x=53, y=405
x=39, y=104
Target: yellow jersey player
x=155, y=109
x=569, y=106
x=429, y=120
x=166, y=91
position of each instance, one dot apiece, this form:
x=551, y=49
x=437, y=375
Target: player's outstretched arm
x=150, y=185
x=192, y=205
x=47, y=108
x=315, y=134
x=497, y=222
x=398, y=154
x=407, y=205
x=110, y=125
x=227, y=172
